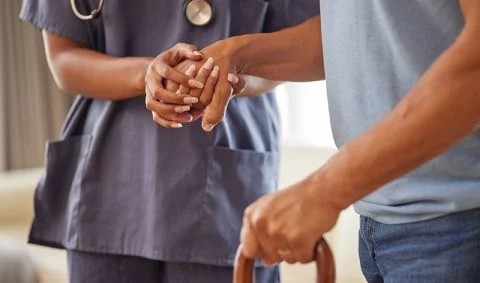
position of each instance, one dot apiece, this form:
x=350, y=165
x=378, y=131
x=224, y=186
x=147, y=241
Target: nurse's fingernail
x=181, y=109
x=208, y=127
x=190, y=71
x=176, y=125
x=195, y=83
x=190, y=100
x=232, y=78
x=214, y=73
x=197, y=53
x=209, y=64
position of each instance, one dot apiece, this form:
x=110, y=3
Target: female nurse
x=129, y=199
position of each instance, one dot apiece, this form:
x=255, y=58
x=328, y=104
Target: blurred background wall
x=32, y=108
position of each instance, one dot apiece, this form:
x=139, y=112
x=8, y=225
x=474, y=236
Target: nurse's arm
x=78, y=69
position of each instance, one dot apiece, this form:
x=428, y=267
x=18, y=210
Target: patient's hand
x=207, y=74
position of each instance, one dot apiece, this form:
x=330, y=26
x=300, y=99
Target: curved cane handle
x=244, y=268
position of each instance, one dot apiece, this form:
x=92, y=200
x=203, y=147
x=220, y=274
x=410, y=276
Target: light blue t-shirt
x=375, y=51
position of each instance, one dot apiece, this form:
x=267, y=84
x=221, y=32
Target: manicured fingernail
x=208, y=127
x=214, y=73
x=209, y=64
x=176, y=125
x=197, y=53
x=190, y=71
x=178, y=91
x=190, y=100
x=195, y=84
x=181, y=109
x=232, y=78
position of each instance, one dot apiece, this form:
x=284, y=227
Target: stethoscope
x=197, y=12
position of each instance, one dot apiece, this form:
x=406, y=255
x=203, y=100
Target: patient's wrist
x=243, y=52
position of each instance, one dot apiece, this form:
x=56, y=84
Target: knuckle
x=305, y=257
x=290, y=260
x=170, y=86
x=294, y=239
x=259, y=221
x=163, y=71
x=149, y=103
x=157, y=94
x=248, y=213
x=205, y=100
x=274, y=231
x=151, y=68
x=167, y=72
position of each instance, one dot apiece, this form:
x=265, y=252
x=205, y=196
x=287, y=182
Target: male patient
x=404, y=95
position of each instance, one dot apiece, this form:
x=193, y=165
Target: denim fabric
x=445, y=249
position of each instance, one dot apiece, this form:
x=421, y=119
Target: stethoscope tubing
x=94, y=14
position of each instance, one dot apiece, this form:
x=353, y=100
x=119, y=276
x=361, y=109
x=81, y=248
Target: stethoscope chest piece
x=199, y=12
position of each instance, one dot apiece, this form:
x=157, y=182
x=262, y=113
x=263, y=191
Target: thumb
x=251, y=247
x=238, y=83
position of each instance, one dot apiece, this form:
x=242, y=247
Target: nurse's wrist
x=141, y=66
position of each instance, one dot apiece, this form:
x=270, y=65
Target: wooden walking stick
x=244, y=268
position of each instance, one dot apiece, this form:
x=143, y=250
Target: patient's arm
x=292, y=54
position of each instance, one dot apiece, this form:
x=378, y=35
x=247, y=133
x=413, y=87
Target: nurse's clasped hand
x=166, y=106
x=193, y=78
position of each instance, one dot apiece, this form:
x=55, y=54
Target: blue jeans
x=445, y=249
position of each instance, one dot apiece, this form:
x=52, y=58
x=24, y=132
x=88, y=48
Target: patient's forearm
x=257, y=86
x=293, y=54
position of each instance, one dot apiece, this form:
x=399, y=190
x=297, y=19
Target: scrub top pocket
x=58, y=193
x=236, y=178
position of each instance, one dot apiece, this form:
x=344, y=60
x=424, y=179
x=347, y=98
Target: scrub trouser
x=441, y=250
x=102, y=268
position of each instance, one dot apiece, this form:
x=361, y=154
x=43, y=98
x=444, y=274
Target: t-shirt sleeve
x=56, y=16
x=286, y=13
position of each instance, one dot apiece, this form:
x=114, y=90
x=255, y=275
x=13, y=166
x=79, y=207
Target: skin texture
x=241, y=85
x=440, y=110
x=79, y=69
x=268, y=56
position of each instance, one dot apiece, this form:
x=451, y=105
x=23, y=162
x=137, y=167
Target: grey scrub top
x=117, y=182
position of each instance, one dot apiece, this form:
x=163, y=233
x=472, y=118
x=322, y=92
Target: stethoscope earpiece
x=199, y=12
